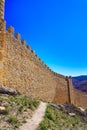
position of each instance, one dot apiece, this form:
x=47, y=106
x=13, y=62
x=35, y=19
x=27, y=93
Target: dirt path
x=33, y=123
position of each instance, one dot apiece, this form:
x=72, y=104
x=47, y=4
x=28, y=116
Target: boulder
x=2, y=110
x=6, y=90
x=72, y=114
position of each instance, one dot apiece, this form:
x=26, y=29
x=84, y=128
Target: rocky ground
x=15, y=110
x=64, y=117
x=33, y=123
x=18, y=110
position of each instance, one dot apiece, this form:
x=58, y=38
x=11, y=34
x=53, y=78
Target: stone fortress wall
x=23, y=70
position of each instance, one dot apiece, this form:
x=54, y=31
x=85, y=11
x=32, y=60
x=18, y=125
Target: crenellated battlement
x=2, y=25
x=11, y=32
x=2, y=22
x=28, y=69
x=2, y=4
x=18, y=37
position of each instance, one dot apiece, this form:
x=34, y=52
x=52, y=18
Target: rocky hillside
x=80, y=82
x=64, y=117
x=15, y=110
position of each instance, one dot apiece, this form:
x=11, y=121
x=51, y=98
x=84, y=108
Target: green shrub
x=20, y=108
x=19, y=105
x=57, y=120
x=12, y=120
x=24, y=121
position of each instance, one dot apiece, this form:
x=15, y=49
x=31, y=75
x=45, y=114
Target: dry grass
x=17, y=110
x=57, y=120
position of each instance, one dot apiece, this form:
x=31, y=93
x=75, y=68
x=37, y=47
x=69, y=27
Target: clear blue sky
x=55, y=29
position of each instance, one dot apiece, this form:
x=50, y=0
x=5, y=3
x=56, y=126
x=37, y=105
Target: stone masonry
x=23, y=70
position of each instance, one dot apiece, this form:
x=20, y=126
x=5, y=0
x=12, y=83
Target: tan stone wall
x=28, y=74
x=22, y=70
x=2, y=45
x=61, y=95
x=79, y=98
x=1, y=59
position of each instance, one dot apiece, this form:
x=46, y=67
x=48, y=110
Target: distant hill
x=80, y=83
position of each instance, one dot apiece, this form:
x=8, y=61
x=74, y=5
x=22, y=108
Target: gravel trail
x=33, y=123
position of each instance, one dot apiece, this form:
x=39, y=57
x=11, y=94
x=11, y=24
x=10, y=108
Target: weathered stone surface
x=6, y=90
x=70, y=109
x=5, y=104
x=23, y=71
x=72, y=114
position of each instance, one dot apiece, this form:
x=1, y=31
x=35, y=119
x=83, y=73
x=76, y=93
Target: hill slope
x=15, y=110
x=59, y=118
x=80, y=82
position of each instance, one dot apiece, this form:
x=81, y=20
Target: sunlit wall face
x=56, y=30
